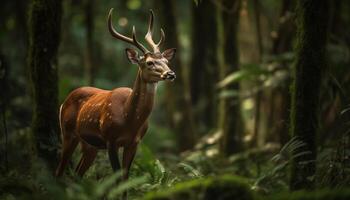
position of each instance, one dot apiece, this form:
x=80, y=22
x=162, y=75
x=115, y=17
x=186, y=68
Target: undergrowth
x=266, y=170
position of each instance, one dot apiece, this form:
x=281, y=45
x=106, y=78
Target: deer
x=99, y=119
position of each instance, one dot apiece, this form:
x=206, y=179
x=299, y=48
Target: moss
x=327, y=194
x=224, y=187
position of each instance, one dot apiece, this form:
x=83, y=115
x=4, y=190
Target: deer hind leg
x=68, y=146
x=88, y=157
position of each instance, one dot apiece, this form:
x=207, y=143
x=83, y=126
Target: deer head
x=154, y=65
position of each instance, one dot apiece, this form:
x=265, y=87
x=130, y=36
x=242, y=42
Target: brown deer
x=111, y=119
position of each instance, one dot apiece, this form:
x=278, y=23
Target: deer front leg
x=130, y=151
x=113, y=155
x=128, y=156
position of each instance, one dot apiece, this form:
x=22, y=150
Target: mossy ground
x=326, y=194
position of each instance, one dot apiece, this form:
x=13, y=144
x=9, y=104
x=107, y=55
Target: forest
x=175, y=99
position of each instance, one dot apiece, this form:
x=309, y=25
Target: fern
x=275, y=178
x=191, y=170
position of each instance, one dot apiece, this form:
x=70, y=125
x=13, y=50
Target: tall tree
x=257, y=137
x=3, y=102
x=312, y=28
x=204, y=70
x=89, y=54
x=44, y=37
x=285, y=29
x=230, y=121
x=177, y=94
x=277, y=122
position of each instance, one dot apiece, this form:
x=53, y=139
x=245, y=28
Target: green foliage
x=191, y=170
x=153, y=169
x=325, y=194
x=265, y=169
x=197, y=2
x=43, y=186
x=259, y=71
x=223, y=187
x=275, y=178
x=134, y=4
x=247, y=72
x=198, y=164
x=333, y=164
x=158, y=176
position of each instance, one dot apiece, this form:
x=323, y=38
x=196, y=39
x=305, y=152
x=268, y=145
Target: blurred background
x=227, y=112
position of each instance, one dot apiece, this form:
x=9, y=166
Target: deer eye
x=150, y=63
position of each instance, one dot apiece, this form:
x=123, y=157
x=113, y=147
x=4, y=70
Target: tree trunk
x=3, y=103
x=310, y=64
x=230, y=121
x=280, y=98
x=44, y=34
x=89, y=55
x=178, y=99
x=283, y=41
x=204, y=64
x=257, y=138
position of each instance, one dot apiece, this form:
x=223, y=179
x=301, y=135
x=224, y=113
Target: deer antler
x=119, y=36
x=149, y=34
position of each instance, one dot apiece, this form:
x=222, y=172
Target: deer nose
x=170, y=75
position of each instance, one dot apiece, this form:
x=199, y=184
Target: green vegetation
x=326, y=194
x=224, y=187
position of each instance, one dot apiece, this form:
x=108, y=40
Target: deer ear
x=132, y=55
x=169, y=53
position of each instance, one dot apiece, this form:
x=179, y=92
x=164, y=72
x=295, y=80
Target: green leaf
x=188, y=168
x=236, y=76
x=249, y=71
x=106, y=184
x=196, y=2
x=124, y=186
x=228, y=94
x=159, y=172
x=345, y=111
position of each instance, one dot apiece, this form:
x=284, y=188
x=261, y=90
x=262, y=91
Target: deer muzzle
x=169, y=75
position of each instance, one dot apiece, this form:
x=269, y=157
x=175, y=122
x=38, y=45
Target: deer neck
x=140, y=102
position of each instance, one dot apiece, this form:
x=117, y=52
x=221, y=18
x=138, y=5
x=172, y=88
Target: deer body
x=109, y=115
x=111, y=119
x=95, y=117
